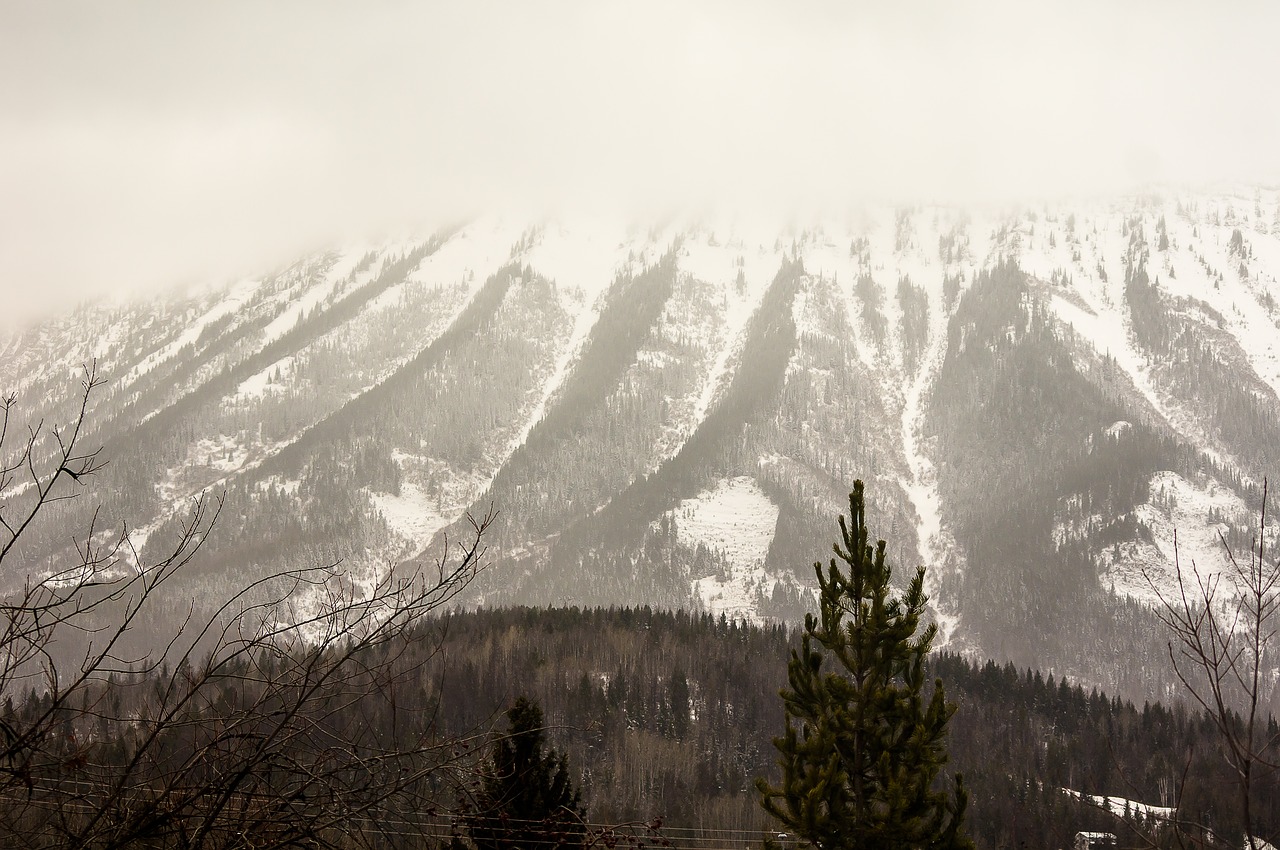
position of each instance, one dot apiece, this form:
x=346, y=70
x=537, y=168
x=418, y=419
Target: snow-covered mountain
x=674, y=415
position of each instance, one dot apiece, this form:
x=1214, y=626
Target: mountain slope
x=1037, y=399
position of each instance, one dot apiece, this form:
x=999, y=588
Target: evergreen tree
x=527, y=798
x=862, y=748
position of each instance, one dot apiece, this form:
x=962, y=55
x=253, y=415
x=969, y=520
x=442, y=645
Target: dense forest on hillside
x=670, y=715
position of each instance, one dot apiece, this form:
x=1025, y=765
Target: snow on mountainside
x=1183, y=520
x=737, y=520
x=1037, y=398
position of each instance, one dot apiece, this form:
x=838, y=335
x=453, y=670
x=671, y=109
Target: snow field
x=583, y=261
x=905, y=391
x=413, y=515
x=1119, y=805
x=1175, y=506
x=1095, y=310
x=1239, y=302
x=259, y=385
x=416, y=515
x=583, y=264
x=736, y=518
x=470, y=256
x=935, y=545
x=303, y=298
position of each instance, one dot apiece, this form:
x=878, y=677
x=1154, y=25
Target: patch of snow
x=112, y=336
x=433, y=495
x=1241, y=302
x=211, y=461
x=413, y=515
x=483, y=246
x=580, y=256
x=1095, y=309
x=582, y=280
x=737, y=519
x=584, y=320
x=1115, y=429
x=1177, y=514
x=1120, y=806
x=829, y=259
x=469, y=257
x=285, y=485
x=936, y=546
x=256, y=386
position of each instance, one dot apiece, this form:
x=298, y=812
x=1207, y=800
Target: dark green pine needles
x=527, y=798
x=862, y=748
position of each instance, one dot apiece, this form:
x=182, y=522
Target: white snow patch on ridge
x=468, y=258
x=1121, y=806
x=582, y=256
x=412, y=515
x=258, y=385
x=598, y=263
x=1174, y=506
x=1239, y=301
x=1104, y=324
x=737, y=519
x=936, y=545
x=474, y=253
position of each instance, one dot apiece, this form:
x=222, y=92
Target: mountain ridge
x=601, y=388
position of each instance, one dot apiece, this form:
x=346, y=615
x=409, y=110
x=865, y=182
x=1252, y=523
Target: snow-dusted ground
x=213, y=460
x=232, y=301
x=583, y=258
x=307, y=294
x=1239, y=301
x=1177, y=514
x=470, y=256
x=1120, y=805
x=738, y=519
x=1095, y=307
x=719, y=259
x=936, y=547
x=414, y=515
x=274, y=379
x=584, y=264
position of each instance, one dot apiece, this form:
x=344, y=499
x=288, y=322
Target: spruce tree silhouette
x=527, y=798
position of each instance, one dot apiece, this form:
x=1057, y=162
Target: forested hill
x=672, y=715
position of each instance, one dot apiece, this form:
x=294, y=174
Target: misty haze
x=421, y=423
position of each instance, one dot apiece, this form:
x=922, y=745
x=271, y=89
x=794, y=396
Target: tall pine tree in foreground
x=862, y=748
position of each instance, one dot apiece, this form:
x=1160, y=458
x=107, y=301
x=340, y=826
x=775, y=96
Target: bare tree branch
x=1218, y=644
x=275, y=719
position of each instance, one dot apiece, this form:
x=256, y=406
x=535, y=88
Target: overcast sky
x=147, y=144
